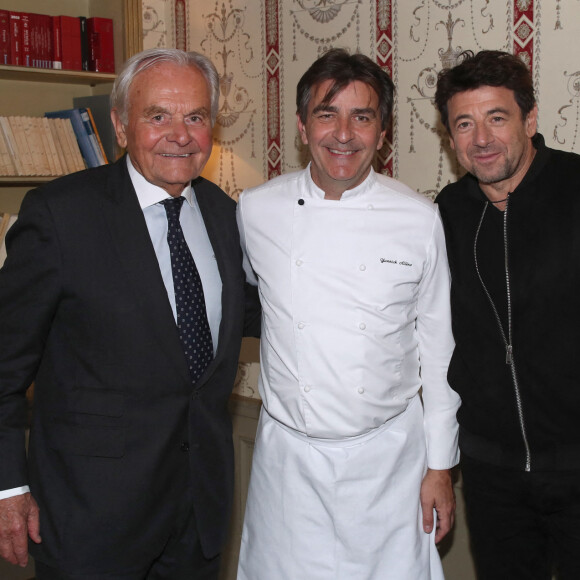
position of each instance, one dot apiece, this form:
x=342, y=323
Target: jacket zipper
x=506, y=340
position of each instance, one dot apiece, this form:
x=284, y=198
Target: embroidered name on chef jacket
x=396, y=262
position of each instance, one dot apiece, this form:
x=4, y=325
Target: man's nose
x=482, y=135
x=179, y=132
x=343, y=129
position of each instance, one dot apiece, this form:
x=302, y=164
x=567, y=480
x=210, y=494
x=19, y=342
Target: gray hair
x=152, y=56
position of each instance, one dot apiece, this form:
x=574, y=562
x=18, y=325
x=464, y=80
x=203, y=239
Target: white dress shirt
x=197, y=239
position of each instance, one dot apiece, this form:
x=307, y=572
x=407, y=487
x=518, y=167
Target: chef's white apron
x=348, y=509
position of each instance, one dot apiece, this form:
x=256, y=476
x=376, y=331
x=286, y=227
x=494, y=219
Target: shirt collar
x=314, y=191
x=149, y=194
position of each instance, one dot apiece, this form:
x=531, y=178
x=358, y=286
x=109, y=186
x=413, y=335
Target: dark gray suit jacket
x=119, y=433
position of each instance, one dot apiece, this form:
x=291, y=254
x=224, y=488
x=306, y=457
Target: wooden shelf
x=18, y=180
x=23, y=73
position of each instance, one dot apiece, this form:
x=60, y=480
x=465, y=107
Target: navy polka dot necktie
x=192, y=320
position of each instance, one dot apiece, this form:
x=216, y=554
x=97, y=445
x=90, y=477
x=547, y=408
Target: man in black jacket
x=513, y=239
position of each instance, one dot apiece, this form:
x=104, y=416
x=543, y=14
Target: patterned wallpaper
x=262, y=47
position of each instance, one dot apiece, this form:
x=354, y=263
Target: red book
x=34, y=40
x=101, y=49
x=47, y=28
x=15, y=38
x=40, y=42
x=70, y=42
x=56, y=43
x=26, y=39
x=4, y=37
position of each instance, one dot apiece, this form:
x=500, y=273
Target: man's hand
x=437, y=492
x=18, y=520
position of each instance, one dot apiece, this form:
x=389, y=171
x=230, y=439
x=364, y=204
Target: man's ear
x=119, y=128
x=381, y=141
x=301, y=130
x=532, y=122
x=451, y=142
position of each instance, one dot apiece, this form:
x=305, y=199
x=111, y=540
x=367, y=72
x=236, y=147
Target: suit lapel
x=139, y=263
x=218, y=236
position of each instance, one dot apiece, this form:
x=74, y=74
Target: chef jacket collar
x=312, y=190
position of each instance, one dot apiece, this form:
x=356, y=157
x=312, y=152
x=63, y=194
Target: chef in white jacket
x=350, y=477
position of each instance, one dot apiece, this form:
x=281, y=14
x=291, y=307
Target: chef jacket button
x=370, y=206
x=362, y=325
x=306, y=389
x=184, y=446
x=362, y=267
x=300, y=202
x=299, y=262
x=301, y=325
x=361, y=390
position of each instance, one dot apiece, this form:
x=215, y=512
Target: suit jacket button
x=185, y=446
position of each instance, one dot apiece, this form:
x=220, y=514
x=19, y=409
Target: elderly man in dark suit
x=123, y=298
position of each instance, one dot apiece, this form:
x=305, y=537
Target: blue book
x=101, y=109
x=83, y=136
x=92, y=135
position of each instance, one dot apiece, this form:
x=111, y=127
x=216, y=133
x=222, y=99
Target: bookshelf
x=29, y=91
x=40, y=75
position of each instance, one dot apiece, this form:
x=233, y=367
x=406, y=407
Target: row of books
x=86, y=132
x=58, y=42
x=59, y=143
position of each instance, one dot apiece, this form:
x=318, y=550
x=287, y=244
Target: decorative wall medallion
x=450, y=57
x=154, y=27
x=230, y=47
x=566, y=133
x=322, y=13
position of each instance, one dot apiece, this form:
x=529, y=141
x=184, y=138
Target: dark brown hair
x=343, y=69
x=491, y=68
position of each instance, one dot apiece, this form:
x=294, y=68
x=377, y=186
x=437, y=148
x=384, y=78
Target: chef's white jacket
x=356, y=314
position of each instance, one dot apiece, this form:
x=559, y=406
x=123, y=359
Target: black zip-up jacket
x=523, y=415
